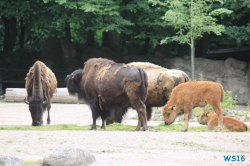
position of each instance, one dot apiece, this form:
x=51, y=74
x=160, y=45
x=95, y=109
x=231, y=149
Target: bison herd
x=111, y=88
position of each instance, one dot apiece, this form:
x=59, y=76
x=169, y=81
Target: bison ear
x=173, y=108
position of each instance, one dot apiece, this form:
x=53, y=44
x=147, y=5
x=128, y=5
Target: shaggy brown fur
x=211, y=120
x=48, y=79
x=107, y=85
x=189, y=95
x=161, y=81
x=44, y=93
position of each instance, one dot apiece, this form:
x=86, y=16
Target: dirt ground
x=119, y=148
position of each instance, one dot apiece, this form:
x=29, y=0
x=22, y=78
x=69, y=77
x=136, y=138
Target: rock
x=69, y=155
x=11, y=161
x=97, y=163
x=233, y=74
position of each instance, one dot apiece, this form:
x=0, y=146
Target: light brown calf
x=186, y=96
x=211, y=120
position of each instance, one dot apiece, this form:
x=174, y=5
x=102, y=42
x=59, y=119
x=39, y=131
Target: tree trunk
x=91, y=39
x=145, y=46
x=202, y=46
x=10, y=33
x=21, y=37
x=192, y=61
x=113, y=42
x=67, y=31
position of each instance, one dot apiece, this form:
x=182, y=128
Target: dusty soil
x=118, y=148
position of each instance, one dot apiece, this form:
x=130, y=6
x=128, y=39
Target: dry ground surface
x=118, y=148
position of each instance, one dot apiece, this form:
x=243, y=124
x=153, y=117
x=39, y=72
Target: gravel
x=119, y=148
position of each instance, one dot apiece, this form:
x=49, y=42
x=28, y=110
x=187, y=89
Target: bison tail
x=149, y=113
x=222, y=94
x=144, y=84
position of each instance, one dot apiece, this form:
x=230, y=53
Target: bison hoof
x=183, y=130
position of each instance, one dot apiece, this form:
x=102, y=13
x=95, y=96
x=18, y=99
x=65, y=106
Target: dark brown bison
x=107, y=85
x=40, y=85
x=161, y=81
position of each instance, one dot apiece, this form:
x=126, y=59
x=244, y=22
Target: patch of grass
x=191, y=144
x=112, y=127
x=47, y=128
x=178, y=127
x=33, y=163
x=3, y=101
x=119, y=127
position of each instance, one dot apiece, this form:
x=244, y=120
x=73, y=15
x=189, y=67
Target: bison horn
x=26, y=101
x=45, y=101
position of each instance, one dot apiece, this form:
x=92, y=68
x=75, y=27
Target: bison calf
x=211, y=120
x=189, y=95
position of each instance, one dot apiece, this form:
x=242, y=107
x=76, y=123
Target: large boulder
x=11, y=161
x=69, y=155
x=233, y=74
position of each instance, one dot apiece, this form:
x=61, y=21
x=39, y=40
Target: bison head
x=170, y=113
x=204, y=118
x=73, y=80
x=36, y=106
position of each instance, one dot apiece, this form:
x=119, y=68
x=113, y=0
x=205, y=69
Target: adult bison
x=107, y=85
x=161, y=81
x=40, y=85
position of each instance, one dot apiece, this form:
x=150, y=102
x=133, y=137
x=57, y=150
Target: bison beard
x=107, y=85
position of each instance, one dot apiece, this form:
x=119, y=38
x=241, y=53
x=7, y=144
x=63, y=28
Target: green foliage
x=229, y=102
x=191, y=19
x=201, y=78
x=239, y=34
x=248, y=104
x=33, y=163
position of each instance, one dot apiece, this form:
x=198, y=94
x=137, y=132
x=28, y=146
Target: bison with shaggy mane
x=161, y=81
x=107, y=85
x=40, y=85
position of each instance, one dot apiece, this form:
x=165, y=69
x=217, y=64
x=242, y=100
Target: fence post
x=1, y=86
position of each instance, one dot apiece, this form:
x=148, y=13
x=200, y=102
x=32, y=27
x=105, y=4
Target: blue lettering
x=233, y=158
x=238, y=158
x=227, y=158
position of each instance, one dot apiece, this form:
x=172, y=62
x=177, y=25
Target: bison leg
x=186, y=119
x=104, y=117
x=142, y=119
x=219, y=112
x=48, y=109
x=95, y=114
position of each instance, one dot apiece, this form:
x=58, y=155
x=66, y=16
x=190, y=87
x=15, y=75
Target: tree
x=191, y=19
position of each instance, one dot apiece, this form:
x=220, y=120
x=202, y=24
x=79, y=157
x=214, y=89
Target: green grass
x=113, y=127
x=32, y=163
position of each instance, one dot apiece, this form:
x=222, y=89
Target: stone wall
x=234, y=75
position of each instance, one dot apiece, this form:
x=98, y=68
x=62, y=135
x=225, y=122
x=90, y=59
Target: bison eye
x=168, y=114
